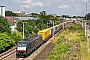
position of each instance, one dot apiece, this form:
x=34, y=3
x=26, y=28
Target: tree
x=28, y=28
x=6, y=41
x=34, y=14
x=20, y=26
x=4, y=25
x=15, y=37
x=43, y=13
x=65, y=16
x=10, y=13
x=44, y=17
x=74, y=17
x=88, y=16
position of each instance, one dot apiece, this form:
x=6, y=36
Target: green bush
x=6, y=41
x=74, y=55
x=4, y=25
x=15, y=37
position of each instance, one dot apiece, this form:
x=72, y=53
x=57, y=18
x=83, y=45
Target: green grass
x=74, y=33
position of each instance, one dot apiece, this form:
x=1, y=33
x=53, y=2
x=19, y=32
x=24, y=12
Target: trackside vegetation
x=6, y=41
x=71, y=40
x=4, y=25
x=59, y=50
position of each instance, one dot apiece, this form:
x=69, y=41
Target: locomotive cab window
x=22, y=44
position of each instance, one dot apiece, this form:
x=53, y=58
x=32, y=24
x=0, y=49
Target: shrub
x=6, y=41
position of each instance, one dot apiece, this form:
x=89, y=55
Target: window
x=22, y=44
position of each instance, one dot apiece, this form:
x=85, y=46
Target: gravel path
x=44, y=53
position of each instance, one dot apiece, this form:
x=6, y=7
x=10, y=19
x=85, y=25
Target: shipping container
x=44, y=33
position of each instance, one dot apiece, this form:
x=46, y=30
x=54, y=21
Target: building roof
x=2, y=6
x=11, y=19
x=22, y=18
x=26, y=18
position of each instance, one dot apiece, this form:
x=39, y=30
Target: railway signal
x=15, y=21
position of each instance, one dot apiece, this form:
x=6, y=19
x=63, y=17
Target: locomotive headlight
x=21, y=48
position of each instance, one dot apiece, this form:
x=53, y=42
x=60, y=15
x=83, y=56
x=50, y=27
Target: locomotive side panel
x=27, y=46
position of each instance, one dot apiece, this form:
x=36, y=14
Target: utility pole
x=83, y=12
x=81, y=17
x=86, y=10
x=63, y=23
x=88, y=38
x=86, y=19
x=23, y=30
x=47, y=24
x=86, y=30
x=53, y=30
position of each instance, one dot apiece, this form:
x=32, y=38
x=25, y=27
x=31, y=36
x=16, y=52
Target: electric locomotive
x=28, y=45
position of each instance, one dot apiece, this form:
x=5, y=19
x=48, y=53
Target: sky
x=58, y=7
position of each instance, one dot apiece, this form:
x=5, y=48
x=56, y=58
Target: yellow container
x=44, y=33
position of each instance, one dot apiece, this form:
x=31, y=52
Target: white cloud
x=25, y=6
x=57, y=0
x=28, y=3
x=37, y=4
x=23, y=1
x=85, y=0
x=59, y=11
x=48, y=4
x=78, y=7
x=63, y=6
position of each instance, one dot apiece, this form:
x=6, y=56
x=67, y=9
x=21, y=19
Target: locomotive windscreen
x=22, y=44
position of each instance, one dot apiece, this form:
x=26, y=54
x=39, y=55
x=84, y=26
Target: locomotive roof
x=30, y=39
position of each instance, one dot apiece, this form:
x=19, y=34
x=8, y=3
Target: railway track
x=7, y=53
x=20, y=59
x=72, y=50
